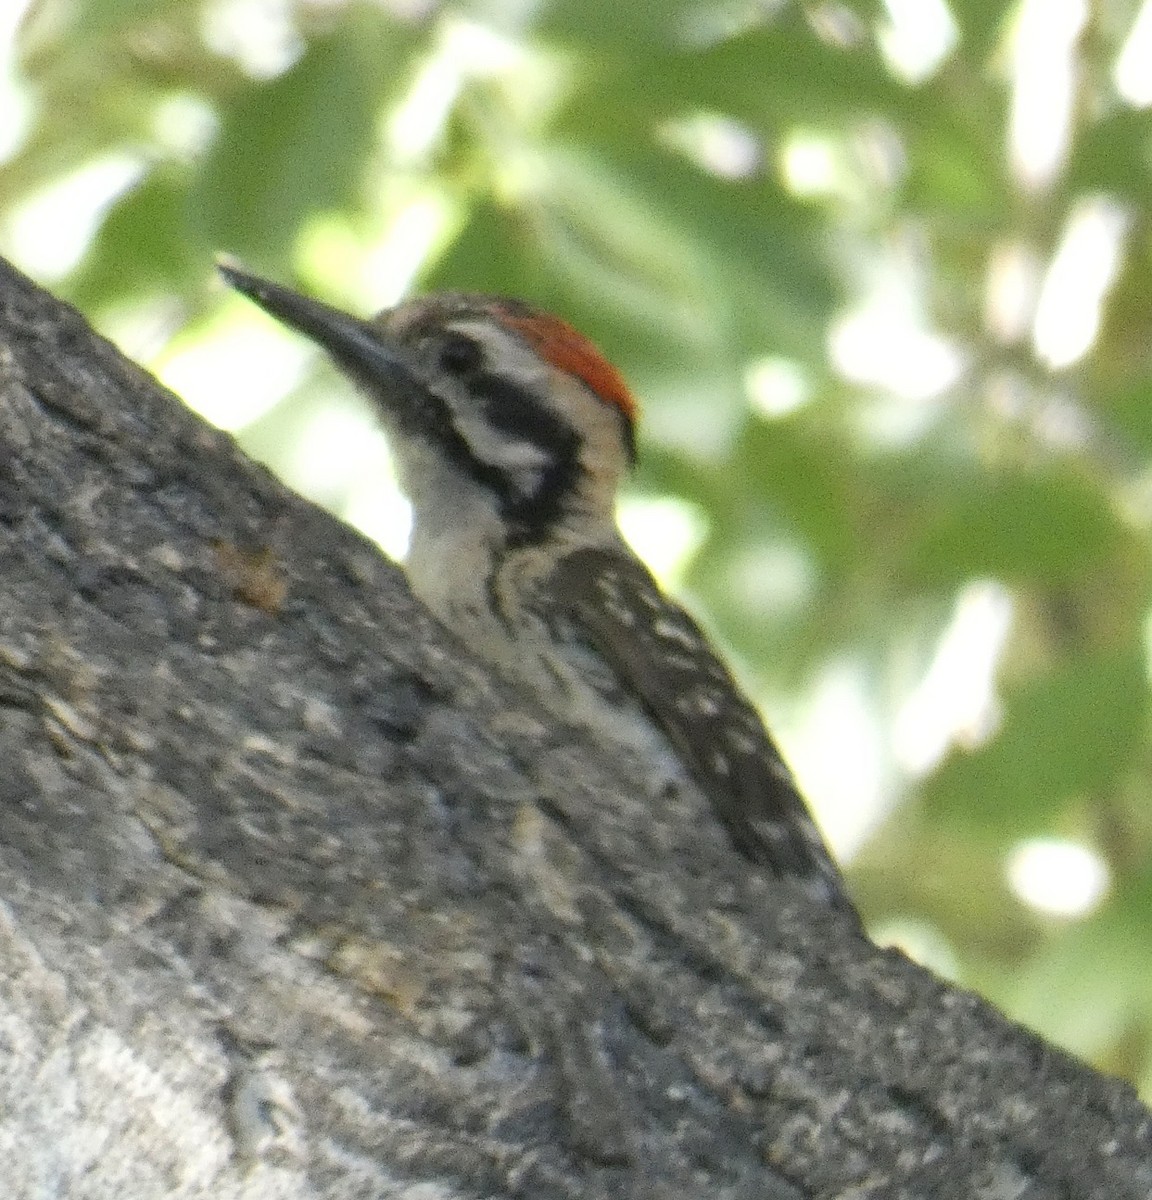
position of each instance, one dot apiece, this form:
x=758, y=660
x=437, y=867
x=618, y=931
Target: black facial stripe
x=426, y=415
x=512, y=409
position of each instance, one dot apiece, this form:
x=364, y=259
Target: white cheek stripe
x=495, y=449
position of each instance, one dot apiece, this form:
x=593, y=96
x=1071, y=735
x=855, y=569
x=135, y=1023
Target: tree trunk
x=296, y=899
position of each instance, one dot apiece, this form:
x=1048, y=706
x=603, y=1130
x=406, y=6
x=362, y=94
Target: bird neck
x=461, y=543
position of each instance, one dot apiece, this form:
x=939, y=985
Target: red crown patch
x=568, y=349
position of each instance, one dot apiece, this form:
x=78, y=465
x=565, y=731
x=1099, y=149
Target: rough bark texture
x=296, y=900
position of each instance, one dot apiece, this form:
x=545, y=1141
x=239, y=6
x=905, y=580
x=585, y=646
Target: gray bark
x=296, y=900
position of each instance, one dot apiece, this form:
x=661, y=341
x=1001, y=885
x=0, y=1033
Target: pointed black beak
x=358, y=346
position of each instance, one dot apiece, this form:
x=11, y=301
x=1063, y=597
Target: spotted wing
x=661, y=656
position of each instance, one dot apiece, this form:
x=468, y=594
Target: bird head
x=500, y=416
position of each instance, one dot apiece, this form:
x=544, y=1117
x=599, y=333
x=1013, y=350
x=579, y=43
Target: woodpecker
x=512, y=434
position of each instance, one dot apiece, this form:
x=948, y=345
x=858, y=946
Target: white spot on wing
x=674, y=631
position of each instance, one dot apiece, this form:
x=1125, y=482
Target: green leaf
x=783, y=72
x=609, y=23
x=141, y=246
x=1114, y=155
x=982, y=23
x=48, y=26
x=1049, y=525
x=1086, y=989
x=1073, y=732
x=292, y=148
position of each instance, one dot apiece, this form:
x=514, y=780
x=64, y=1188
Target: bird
x=512, y=434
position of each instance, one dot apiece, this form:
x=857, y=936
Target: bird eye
x=459, y=355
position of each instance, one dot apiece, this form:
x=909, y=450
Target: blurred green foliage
x=701, y=187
